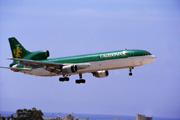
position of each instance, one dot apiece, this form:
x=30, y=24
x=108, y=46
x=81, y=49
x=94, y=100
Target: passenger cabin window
x=147, y=54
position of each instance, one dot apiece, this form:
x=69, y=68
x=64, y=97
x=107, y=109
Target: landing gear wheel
x=78, y=81
x=83, y=81
x=66, y=78
x=130, y=74
x=62, y=79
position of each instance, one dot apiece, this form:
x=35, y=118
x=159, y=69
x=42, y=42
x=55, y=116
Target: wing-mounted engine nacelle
x=38, y=55
x=69, y=69
x=101, y=74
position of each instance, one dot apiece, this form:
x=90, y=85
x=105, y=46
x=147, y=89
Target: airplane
x=37, y=62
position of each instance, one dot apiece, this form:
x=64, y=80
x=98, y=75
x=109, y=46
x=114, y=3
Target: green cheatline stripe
x=98, y=56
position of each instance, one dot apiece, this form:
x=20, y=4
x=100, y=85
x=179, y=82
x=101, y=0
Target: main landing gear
x=130, y=71
x=80, y=80
x=64, y=78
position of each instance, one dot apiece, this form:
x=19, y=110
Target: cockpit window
x=147, y=53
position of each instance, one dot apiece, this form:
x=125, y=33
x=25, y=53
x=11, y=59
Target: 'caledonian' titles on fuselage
x=112, y=54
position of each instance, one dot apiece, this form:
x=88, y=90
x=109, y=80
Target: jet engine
x=69, y=69
x=38, y=55
x=101, y=74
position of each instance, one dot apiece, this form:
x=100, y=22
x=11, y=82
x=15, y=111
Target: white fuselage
x=100, y=65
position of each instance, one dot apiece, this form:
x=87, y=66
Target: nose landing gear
x=130, y=71
x=78, y=81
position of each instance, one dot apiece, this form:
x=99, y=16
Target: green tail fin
x=18, y=51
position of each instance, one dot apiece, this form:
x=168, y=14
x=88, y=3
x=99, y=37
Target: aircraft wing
x=36, y=64
x=50, y=66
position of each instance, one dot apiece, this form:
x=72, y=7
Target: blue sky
x=73, y=27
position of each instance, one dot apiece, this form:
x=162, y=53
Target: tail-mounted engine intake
x=38, y=55
x=101, y=74
x=69, y=69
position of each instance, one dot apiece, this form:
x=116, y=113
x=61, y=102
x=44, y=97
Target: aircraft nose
x=149, y=59
x=153, y=57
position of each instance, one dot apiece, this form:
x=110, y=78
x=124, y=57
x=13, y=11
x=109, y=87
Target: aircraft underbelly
x=114, y=64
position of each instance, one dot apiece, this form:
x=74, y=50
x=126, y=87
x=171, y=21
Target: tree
x=29, y=114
